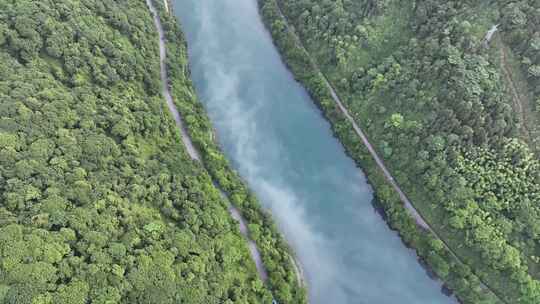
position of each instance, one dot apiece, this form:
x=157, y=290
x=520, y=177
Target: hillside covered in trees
x=454, y=118
x=99, y=203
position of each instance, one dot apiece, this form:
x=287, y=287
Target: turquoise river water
x=282, y=146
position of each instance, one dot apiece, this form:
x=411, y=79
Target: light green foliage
x=396, y=120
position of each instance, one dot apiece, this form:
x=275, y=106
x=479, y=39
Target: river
x=281, y=145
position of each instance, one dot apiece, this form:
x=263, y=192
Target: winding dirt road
x=192, y=151
x=165, y=85
x=516, y=96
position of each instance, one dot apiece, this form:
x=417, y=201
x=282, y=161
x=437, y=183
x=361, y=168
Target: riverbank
x=273, y=257
x=429, y=247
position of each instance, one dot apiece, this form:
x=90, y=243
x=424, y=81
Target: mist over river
x=282, y=146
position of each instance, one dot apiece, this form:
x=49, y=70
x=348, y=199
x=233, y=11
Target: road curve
x=192, y=151
x=421, y=222
x=165, y=85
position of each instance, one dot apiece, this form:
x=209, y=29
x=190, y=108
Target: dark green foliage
x=99, y=203
x=417, y=77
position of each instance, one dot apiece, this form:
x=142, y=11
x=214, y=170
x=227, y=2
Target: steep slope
x=99, y=202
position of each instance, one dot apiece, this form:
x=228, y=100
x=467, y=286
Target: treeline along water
x=283, y=147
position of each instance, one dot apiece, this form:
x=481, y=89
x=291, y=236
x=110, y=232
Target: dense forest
x=99, y=202
x=452, y=114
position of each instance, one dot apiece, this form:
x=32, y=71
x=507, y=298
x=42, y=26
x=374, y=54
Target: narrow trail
x=420, y=220
x=516, y=96
x=192, y=151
